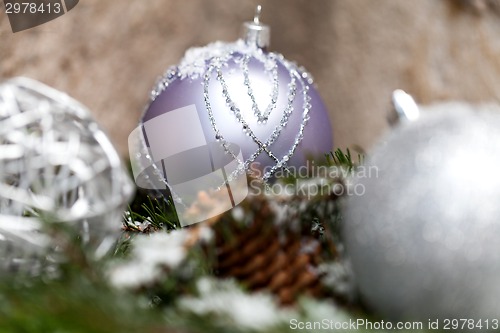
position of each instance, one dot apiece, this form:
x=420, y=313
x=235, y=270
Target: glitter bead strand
x=262, y=117
x=242, y=55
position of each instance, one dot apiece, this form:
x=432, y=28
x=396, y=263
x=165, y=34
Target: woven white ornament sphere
x=424, y=239
x=55, y=163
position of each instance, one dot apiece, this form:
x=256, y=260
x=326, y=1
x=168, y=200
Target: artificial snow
x=150, y=255
x=224, y=298
x=195, y=60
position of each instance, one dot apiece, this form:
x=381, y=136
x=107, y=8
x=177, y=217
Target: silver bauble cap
x=404, y=108
x=254, y=32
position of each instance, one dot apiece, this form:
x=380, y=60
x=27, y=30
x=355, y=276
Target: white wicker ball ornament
x=56, y=164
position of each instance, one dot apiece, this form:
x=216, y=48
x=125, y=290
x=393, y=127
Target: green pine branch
x=156, y=213
x=345, y=159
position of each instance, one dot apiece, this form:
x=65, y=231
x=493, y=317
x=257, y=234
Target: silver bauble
x=424, y=238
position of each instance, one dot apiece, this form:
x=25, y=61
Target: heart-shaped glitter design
x=216, y=64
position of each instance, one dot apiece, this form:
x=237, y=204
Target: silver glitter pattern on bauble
x=262, y=117
x=204, y=62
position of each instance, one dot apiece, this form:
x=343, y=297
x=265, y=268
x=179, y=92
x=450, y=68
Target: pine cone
x=264, y=256
x=273, y=243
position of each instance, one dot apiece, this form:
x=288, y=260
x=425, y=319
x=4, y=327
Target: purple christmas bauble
x=242, y=95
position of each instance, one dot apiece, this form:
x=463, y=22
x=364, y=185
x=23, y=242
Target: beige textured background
x=108, y=54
